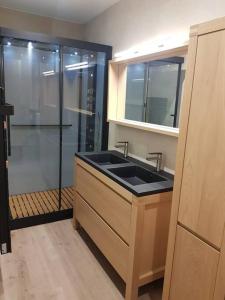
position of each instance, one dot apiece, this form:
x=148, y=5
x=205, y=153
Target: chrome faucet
x=157, y=156
x=123, y=145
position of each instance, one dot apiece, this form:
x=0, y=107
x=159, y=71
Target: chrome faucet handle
x=155, y=156
x=155, y=153
x=123, y=144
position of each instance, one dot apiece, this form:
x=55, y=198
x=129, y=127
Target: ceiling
x=79, y=11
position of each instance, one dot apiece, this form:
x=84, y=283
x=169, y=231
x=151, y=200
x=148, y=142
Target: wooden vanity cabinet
x=198, y=210
x=130, y=231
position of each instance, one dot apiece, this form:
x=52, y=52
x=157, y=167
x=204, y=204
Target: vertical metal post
x=146, y=88
x=105, y=124
x=177, y=94
x=60, y=122
x=5, y=238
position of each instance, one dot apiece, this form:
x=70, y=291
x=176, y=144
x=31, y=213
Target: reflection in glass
x=83, y=83
x=135, y=92
x=32, y=85
x=153, y=91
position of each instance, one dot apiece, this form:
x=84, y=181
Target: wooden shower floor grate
x=38, y=203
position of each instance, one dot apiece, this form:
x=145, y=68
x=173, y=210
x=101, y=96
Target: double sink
x=132, y=174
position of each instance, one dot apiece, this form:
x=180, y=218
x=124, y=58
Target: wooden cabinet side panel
x=220, y=278
x=194, y=268
x=154, y=239
x=112, y=91
x=122, y=82
x=137, y=218
x=201, y=207
x=184, y=118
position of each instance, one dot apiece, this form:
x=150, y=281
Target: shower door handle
x=8, y=135
x=6, y=110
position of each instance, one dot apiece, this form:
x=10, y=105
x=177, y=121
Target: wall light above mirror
x=146, y=92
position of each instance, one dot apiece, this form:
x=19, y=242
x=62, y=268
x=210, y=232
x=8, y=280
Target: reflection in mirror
x=153, y=92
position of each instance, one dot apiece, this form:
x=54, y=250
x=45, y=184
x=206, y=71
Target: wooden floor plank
x=45, y=202
x=51, y=197
x=37, y=203
x=13, y=208
x=28, y=205
x=71, y=190
x=50, y=200
x=18, y=208
x=64, y=203
x=40, y=268
x=42, y=203
x=66, y=198
x=54, y=195
x=69, y=196
x=23, y=208
x=25, y=205
x=33, y=205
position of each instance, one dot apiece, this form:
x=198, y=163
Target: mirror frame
x=117, y=90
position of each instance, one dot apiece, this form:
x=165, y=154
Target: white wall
x=131, y=22
x=28, y=22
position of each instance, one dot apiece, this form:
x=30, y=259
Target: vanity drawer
x=113, y=248
x=113, y=208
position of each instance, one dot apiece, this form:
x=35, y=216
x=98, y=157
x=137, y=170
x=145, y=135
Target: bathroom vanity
x=124, y=206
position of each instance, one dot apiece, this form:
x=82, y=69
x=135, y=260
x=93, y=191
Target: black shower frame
x=61, y=42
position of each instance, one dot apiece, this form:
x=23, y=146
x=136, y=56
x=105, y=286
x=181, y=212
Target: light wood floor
x=54, y=262
x=37, y=203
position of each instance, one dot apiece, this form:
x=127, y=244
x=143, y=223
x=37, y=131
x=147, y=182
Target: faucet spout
x=123, y=145
x=157, y=156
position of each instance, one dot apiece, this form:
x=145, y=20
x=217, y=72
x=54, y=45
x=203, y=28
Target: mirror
x=154, y=91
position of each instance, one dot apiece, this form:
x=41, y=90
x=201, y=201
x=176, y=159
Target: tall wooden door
x=202, y=199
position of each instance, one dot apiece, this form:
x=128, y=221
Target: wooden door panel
x=194, y=268
x=220, y=278
x=202, y=201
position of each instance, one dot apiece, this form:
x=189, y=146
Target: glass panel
x=153, y=91
x=32, y=86
x=161, y=96
x=135, y=92
x=83, y=84
x=182, y=77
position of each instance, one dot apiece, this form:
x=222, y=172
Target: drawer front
x=113, y=248
x=114, y=209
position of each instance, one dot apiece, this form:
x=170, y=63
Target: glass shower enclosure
x=58, y=88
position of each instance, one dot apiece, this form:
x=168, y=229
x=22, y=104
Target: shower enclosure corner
x=58, y=88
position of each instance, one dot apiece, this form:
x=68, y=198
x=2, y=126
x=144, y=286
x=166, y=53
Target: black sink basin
x=136, y=175
x=106, y=159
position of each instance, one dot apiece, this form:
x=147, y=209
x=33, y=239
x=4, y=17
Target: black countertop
x=137, y=190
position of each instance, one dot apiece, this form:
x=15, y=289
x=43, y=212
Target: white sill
x=174, y=132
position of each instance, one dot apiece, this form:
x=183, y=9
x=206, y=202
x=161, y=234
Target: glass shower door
x=83, y=106
x=6, y=111
x=32, y=86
